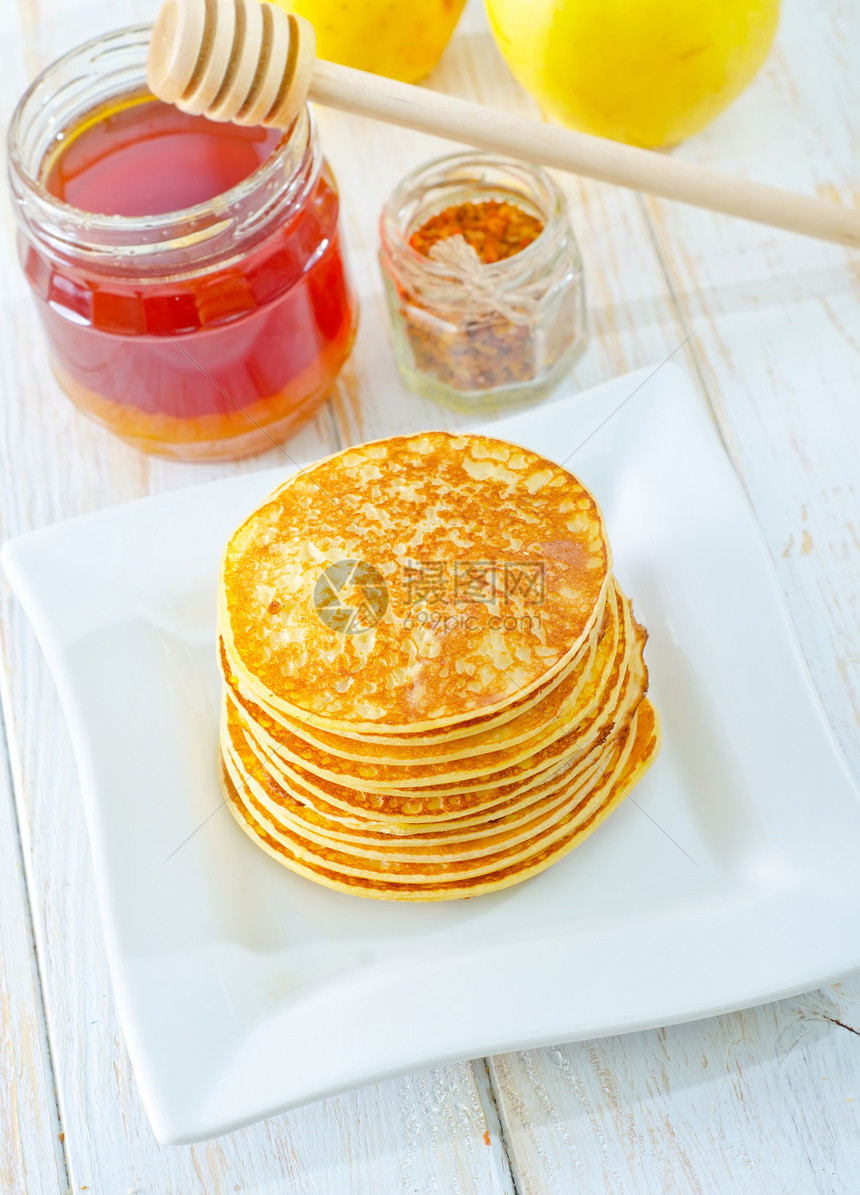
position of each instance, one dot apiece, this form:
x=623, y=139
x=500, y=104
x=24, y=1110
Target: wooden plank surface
x=410, y=1134
x=763, y=1102
x=766, y=1100
x=774, y=349
x=32, y=1157
x=777, y=337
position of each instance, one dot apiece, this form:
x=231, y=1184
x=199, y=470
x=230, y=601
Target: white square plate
x=729, y=878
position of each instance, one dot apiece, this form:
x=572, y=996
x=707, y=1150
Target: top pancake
x=492, y=566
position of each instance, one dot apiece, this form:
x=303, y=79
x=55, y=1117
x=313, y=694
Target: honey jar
x=188, y=274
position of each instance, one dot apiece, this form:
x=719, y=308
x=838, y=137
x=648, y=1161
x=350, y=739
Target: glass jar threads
x=188, y=274
x=484, y=283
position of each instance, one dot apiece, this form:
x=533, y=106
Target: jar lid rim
x=423, y=175
x=217, y=207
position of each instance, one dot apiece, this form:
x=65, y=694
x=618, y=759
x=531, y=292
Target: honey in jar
x=189, y=274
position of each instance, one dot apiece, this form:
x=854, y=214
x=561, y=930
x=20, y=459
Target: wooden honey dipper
x=252, y=63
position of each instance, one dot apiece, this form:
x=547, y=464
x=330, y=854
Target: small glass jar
x=502, y=338
x=208, y=333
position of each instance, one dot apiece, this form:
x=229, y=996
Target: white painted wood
x=31, y=1151
x=764, y=1102
x=418, y=1132
x=777, y=339
x=422, y=1133
x=774, y=323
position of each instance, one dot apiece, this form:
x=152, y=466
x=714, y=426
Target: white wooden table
x=762, y=1101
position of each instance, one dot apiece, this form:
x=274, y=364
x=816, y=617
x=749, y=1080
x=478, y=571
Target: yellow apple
x=403, y=39
x=650, y=72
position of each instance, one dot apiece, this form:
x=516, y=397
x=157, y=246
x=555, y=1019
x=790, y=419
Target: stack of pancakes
x=434, y=687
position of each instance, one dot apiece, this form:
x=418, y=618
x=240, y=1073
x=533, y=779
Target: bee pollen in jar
x=483, y=280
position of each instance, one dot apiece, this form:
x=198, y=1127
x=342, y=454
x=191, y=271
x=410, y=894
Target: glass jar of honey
x=188, y=274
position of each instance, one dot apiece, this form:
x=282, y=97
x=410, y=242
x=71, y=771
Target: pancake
x=305, y=803
x=623, y=691
x=492, y=566
x=525, y=722
x=405, y=738
x=457, y=860
x=405, y=810
x=395, y=840
x=436, y=736
x=606, y=797
x=562, y=722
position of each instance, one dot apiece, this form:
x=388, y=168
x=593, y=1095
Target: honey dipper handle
x=252, y=63
x=610, y=161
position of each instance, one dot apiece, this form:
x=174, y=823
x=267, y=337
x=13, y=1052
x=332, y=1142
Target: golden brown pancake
x=444, y=736
x=605, y=796
x=624, y=689
x=391, y=839
x=433, y=685
x=527, y=720
x=561, y=721
x=494, y=564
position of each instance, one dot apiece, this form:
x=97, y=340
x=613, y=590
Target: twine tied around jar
x=474, y=285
